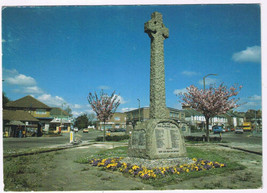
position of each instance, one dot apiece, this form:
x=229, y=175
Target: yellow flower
x=187, y=170
x=194, y=159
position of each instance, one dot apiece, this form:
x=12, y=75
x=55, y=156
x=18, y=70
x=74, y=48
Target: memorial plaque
x=167, y=138
x=174, y=139
x=160, y=138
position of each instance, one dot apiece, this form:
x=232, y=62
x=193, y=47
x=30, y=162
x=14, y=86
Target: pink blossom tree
x=104, y=106
x=211, y=102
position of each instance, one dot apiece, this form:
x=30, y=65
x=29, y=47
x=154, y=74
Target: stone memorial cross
x=159, y=137
x=157, y=33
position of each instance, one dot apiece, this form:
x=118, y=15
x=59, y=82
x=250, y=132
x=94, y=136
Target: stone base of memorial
x=157, y=139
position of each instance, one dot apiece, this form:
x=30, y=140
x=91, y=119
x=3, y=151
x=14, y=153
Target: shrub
x=200, y=138
x=113, y=138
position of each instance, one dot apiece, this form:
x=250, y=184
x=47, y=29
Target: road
x=10, y=144
x=246, y=137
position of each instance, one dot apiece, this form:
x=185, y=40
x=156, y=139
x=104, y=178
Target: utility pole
x=139, y=116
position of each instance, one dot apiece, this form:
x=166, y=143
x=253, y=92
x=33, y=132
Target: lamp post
x=61, y=116
x=255, y=122
x=206, y=77
x=204, y=85
x=139, y=118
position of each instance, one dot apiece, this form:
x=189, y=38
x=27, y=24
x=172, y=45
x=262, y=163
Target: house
x=16, y=120
x=33, y=106
x=234, y=119
x=117, y=121
x=62, y=122
x=197, y=119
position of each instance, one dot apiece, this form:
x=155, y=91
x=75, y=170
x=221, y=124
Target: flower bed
x=152, y=173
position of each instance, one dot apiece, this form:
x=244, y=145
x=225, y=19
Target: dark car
x=120, y=130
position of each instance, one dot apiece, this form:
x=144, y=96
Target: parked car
x=75, y=129
x=120, y=130
x=85, y=130
x=227, y=129
x=217, y=129
x=239, y=130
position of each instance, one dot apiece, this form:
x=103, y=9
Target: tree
x=91, y=118
x=104, y=106
x=69, y=111
x=5, y=99
x=211, y=102
x=81, y=121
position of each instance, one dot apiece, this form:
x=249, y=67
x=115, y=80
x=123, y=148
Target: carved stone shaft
x=157, y=33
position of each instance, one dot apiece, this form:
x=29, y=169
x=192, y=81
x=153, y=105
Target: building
x=62, y=121
x=142, y=114
x=117, y=121
x=33, y=106
x=15, y=121
x=198, y=121
x=234, y=119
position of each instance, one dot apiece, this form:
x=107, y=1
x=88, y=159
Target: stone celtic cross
x=157, y=33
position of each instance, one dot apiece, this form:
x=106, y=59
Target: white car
x=75, y=129
x=239, y=130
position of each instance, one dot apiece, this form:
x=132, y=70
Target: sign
x=71, y=137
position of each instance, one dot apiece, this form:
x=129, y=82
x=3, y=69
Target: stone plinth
x=157, y=139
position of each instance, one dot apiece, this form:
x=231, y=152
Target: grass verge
x=19, y=175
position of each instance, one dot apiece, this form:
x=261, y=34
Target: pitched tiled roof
x=18, y=115
x=191, y=112
x=27, y=102
x=56, y=111
x=234, y=114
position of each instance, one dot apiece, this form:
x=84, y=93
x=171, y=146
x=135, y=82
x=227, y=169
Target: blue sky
x=60, y=54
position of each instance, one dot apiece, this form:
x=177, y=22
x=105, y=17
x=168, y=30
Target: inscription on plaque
x=160, y=138
x=174, y=139
x=167, y=138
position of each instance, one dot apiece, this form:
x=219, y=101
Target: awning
x=16, y=123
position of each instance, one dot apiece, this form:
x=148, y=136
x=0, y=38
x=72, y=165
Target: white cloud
x=178, y=91
x=104, y=87
x=51, y=101
x=20, y=79
x=251, y=54
x=255, y=98
x=247, y=106
x=78, y=113
x=122, y=101
x=189, y=73
x=208, y=81
x=29, y=90
x=76, y=106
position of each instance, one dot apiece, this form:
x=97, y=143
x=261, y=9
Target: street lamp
x=205, y=77
x=139, y=109
x=61, y=114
